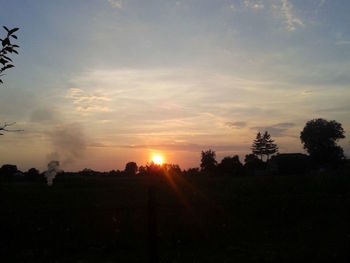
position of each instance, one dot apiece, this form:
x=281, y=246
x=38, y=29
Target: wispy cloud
x=236, y=124
x=84, y=102
x=276, y=130
x=342, y=42
x=116, y=3
x=98, y=145
x=339, y=109
x=190, y=147
x=254, y=4
x=292, y=21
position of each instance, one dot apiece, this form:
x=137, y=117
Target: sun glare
x=157, y=159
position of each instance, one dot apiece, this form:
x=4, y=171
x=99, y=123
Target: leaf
x=15, y=51
x=9, y=49
x=3, y=61
x=7, y=67
x=6, y=42
x=13, y=30
x=14, y=36
x=8, y=58
x=6, y=28
x=15, y=45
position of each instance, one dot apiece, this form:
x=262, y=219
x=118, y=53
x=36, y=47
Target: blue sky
x=102, y=82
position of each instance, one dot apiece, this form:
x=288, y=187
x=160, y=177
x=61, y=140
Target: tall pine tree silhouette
x=263, y=145
x=258, y=146
x=270, y=148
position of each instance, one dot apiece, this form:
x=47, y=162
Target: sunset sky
x=98, y=83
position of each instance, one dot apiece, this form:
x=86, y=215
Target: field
x=199, y=219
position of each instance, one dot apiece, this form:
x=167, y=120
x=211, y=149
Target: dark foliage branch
x=6, y=63
x=7, y=50
x=4, y=128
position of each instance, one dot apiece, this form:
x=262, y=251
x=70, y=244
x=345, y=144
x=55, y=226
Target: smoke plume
x=69, y=143
x=52, y=170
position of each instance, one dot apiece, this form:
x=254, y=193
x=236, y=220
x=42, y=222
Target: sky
x=98, y=83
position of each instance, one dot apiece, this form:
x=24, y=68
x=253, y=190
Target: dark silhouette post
x=152, y=222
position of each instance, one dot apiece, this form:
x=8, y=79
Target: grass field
x=244, y=219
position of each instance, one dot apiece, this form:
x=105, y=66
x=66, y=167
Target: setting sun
x=157, y=159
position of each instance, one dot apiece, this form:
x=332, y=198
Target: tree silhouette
x=7, y=49
x=270, y=148
x=155, y=169
x=142, y=170
x=249, y=158
x=320, y=137
x=8, y=170
x=208, y=161
x=34, y=175
x=131, y=168
x=252, y=162
x=258, y=146
x=263, y=145
x=230, y=166
x=172, y=169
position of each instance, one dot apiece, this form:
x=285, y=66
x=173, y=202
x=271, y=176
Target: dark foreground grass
x=246, y=219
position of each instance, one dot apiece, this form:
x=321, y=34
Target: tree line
x=319, y=138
